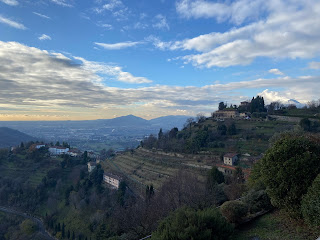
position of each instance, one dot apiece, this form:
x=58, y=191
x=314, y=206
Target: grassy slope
x=276, y=226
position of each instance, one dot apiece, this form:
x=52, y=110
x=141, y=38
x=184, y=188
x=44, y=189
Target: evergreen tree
x=63, y=230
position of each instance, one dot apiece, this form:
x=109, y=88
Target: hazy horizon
x=70, y=60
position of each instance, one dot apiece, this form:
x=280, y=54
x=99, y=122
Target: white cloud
x=44, y=37
x=12, y=23
x=110, y=70
x=276, y=71
x=106, y=26
x=140, y=25
x=111, y=5
x=63, y=3
x=314, y=65
x=41, y=15
x=289, y=30
x=236, y=12
x=117, y=46
x=161, y=22
x=63, y=86
x=10, y=2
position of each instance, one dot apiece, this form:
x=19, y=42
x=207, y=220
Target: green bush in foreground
x=311, y=204
x=234, y=211
x=187, y=224
x=288, y=169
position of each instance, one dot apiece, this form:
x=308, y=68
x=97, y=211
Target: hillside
x=10, y=137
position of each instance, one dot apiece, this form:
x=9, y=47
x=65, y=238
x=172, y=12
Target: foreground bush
x=288, y=169
x=311, y=204
x=257, y=200
x=186, y=223
x=234, y=211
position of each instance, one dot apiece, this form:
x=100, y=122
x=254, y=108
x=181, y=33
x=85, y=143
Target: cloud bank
x=37, y=81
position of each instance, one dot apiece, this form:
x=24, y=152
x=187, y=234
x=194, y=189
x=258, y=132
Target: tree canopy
x=187, y=223
x=288, y=169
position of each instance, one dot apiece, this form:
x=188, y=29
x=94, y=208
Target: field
x=143, y=167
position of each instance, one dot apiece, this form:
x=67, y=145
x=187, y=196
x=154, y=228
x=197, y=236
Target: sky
x=100, y=59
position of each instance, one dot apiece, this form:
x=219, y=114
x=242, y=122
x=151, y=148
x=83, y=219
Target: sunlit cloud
x=36, y=81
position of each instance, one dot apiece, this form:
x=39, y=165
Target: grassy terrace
x=22, y=167
x=146, y=168
x=274, y=226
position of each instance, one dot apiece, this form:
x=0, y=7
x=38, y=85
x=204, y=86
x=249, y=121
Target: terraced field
x=145, y=167
x=21, y=169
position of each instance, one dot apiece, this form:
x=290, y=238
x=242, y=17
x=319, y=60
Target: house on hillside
x=91, y=166
x=74, y=152
x=230, y=159
x=112, y=180
x=57, y=150
x=36, y=146
x=228, y=170
x=226, y=113
x=244, y=103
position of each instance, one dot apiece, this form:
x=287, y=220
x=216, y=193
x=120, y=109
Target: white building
x=230, y=159
x=91, y=166
x=112, y=180
x=40, y=146
x=58, y=150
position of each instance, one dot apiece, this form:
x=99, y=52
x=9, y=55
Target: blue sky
x=72, y=59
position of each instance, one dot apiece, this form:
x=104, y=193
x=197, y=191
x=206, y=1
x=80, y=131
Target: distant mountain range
x=10, y=137
x=97, y=130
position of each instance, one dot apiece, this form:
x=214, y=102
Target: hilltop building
x=230, y=159
x=112, y=180
x=226, y=113
x=56, y=150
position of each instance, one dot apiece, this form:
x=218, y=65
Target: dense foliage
x=187, y=223
x=288, y=169
x=311, y=204
x=234, y=211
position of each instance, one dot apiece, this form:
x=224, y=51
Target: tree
x=186, y=223
x=222, y=129
x=305, y=124
x=189, y=123
x=222, y=106
x=160, y=134
x=234, y=211
x=232, y=130
x=288, y=169
x=257, y=105
x=63, y=231
x=173, y=133
x=201, y=118
x=214, y=177
x=310, y=206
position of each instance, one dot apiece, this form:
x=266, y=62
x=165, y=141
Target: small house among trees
x=112, y=180
x=91, y=166
x=230, y=159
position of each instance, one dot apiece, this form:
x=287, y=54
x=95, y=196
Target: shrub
x=186, y=223
x=310, y=206
x=288, y=169
x=234, y=211
x=257, y=201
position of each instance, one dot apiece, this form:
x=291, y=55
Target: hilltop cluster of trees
x=191, y=140
x=256, y=105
